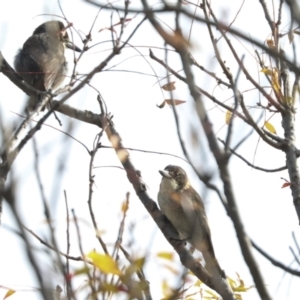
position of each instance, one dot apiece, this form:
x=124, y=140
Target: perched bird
x=41, y=62
x=183, y=207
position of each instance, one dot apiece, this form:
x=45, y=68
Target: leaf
x=140, y=262
x=175, y=101
x=231, y=282
x=166, y=289
x=125, y=206
x=133, y=267
x=198, y=283
x=270, y=127
x=109, y=287
x=286, y=184
x=271, y=44
x=161, y=105
x=275, y=81
x=267, y=71
x=104, y=263
x=9, y=293
x=165, y=255
x=273, y=73
x=170, y=102
x=288, y=100
x=228, y=117
x=238, y=286
x=169, y=86
x=211, y=295
x=83, y=270
x=238, y=296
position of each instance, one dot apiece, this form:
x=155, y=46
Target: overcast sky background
x=267, y=210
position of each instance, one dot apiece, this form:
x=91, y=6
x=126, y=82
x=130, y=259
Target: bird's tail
x=212, y=265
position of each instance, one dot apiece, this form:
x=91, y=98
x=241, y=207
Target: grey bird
x=41, y=62
x=184, y=208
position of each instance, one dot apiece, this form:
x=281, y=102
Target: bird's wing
x=193, y=207
x=29, y=70
x=201, y=236
x=201, y=216
x=188, y=207
x=49, y=56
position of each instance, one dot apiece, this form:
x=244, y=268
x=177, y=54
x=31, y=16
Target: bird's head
x=176, y=177
x=57, y=29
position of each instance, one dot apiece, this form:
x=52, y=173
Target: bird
x=41, y=62
x=184, y=208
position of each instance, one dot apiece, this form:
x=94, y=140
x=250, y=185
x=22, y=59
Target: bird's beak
x=71, y=46
x=165, y=174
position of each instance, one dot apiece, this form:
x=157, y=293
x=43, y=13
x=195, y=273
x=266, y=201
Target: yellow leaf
x=231, y=282
x=267, y=71
x=238, y=286
x=238, y=296
x=242, y=288
x=273, y=73
x=165, y=255
x=166, y=289
x=104, y=263
x=133, y=267
x=140, y=262
x=276, y=86
x=211, y=293
x=198, y=283
x=270, y=127
x=228, y=117
x=275, y=82
x=83, y=270
x=9, y=293
x=169, y=86
x=288, y=100
x=125, y=206
x=109, y=287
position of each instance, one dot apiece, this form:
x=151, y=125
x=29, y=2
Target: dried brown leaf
x=175, y=101
x=169, y=86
